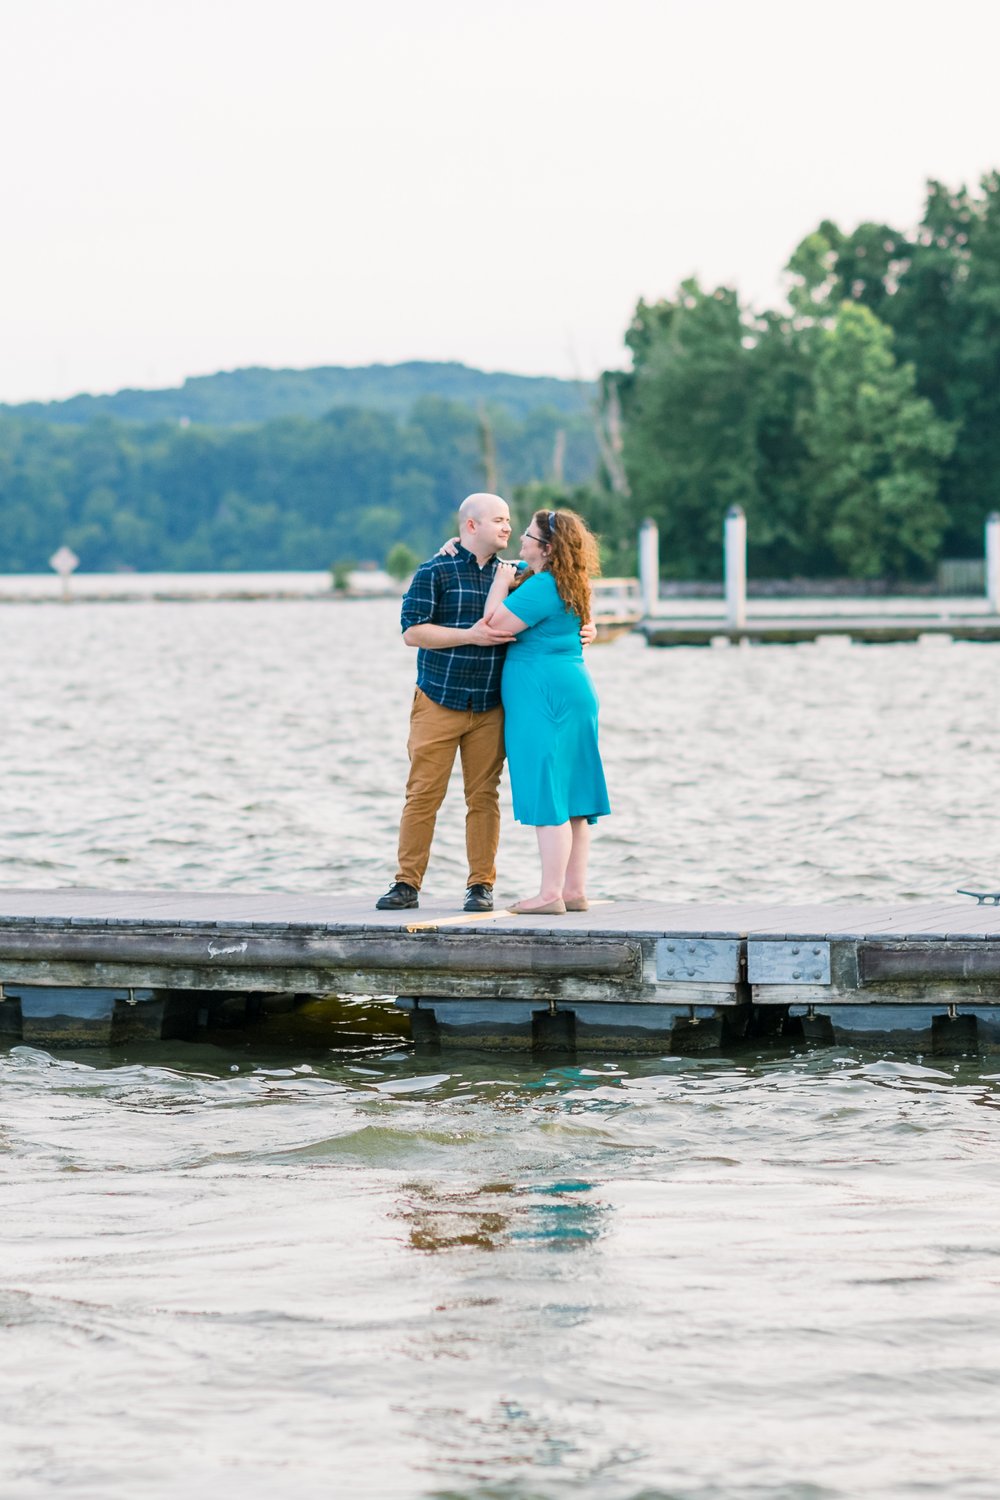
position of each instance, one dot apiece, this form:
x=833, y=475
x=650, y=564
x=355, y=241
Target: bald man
x=456, y=706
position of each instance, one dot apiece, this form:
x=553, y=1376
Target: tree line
x=294, y=493
x=859, y=428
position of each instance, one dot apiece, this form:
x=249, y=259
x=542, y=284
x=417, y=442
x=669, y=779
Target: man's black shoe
x=479, y=898
x=398, y=897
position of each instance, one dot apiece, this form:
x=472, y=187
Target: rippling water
x=262, y=746
x=374, y=1274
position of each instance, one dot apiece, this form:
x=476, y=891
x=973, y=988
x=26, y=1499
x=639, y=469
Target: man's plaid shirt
x=452, y=591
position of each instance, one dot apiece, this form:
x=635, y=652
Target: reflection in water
x=768, y=1262
x=489, y=1216
x=449, y=1219
x=506, y=1443
x=560, y=1215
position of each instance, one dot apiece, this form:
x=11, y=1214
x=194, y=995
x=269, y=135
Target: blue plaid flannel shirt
x=452, y=591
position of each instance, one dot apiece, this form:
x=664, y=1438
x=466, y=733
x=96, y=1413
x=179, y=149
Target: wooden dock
x=84, y=966
x=790, y=630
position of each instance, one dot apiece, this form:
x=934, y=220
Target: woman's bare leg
x=555, y=844
x=575, y=881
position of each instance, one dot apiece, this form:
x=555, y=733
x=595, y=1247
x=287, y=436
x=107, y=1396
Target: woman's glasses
x=533, y=537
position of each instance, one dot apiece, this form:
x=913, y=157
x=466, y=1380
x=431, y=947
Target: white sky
x=194, y=185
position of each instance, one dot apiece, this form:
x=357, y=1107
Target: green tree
x=971, y=485
x=401, y=562
x=340, y=574
x=690, y=423
x=830, y=267
x=782, y=370
x=938, y=289
x=873, y=454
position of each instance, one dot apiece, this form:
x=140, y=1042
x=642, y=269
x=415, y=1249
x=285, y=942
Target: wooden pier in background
x=968, y=619
x=791, y=630
x=84, y=966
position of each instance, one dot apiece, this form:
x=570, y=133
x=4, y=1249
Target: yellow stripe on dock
x=463, y=918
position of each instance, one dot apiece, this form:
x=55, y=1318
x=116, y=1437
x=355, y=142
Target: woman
x=550, y=706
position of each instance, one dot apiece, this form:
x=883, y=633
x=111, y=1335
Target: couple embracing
x=500, y=672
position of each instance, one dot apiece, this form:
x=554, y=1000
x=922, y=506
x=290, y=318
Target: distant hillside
x=235, y=398
x=292, y=492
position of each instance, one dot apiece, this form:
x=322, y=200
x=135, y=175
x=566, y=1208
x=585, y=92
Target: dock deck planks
x=942, y=919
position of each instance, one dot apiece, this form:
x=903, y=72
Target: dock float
x=86, y=967
x=788, y=630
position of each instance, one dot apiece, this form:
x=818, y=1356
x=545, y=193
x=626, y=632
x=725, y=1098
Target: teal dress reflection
x=550, y=713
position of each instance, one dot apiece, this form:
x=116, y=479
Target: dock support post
x=736, y=567
x=649, y=566
x=993, y=561
x=424, y=1027
x=696, y=1033
x=553, y=1030
x=10, y=1015
x=817, y=1030
x=139, y=1018
x=954, y=1035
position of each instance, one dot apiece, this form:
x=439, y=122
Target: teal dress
x=550, y=713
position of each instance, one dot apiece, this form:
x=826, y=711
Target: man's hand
x=482, y=634
x=588, y=634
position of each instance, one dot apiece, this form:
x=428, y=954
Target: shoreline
x=185, y=588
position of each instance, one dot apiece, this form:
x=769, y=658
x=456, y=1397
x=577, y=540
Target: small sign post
x=64, y=561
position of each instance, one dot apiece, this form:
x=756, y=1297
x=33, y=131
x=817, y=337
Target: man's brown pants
x=435, y=734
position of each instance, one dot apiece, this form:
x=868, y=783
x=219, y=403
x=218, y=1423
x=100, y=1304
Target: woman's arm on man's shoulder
x=503, y=577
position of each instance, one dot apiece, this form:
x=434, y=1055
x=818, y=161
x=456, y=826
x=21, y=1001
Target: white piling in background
x=993, y=561
x=736, y=566
x=649, y=566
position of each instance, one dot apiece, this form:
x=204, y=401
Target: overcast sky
x=195, y=185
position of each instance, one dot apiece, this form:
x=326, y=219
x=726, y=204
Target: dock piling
x=735, y=550
x=993, y=561
x=553, y=1031
x=954, y=1034
x=649, y=566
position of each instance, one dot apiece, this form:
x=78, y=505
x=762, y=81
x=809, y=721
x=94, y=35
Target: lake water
x=769, y=1277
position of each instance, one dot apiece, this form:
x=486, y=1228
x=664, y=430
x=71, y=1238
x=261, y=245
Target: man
x=456, y=706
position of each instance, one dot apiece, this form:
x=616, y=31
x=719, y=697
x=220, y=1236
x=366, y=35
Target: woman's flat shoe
x=581, y=904
x=550, y=909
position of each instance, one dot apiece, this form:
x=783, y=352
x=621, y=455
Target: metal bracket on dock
x=983, y=898
x=800, y=962
x=701, y=960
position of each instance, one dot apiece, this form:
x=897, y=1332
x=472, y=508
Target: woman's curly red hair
x=573, y=557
